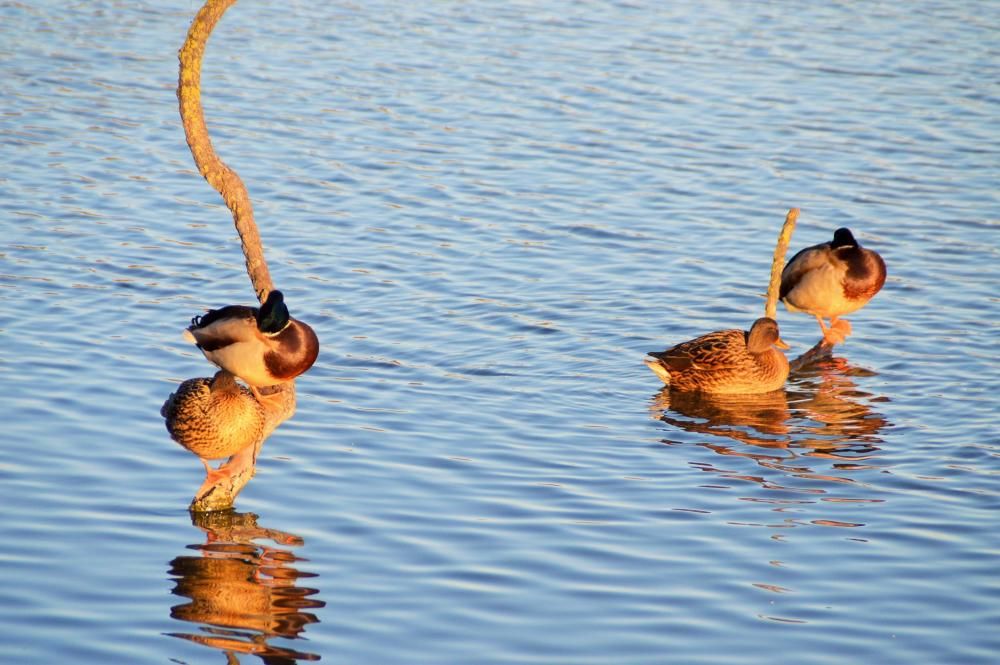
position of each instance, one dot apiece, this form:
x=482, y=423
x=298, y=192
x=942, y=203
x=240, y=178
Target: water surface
x=489, y=212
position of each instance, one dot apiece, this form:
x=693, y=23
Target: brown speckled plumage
x=213, y=418
x=726, y=361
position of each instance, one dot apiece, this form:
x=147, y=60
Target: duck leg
x=836, y=332
x=213, y=475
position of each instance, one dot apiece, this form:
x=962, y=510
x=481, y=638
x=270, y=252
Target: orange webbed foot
x=213, y=476
x=841, y=325
x=837, y=332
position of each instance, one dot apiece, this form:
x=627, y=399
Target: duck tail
x=658, y=369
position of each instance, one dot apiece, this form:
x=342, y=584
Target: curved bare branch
x=212, y=168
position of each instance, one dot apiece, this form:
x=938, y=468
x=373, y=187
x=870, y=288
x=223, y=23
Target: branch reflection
x=823, y=414
x=243, y=594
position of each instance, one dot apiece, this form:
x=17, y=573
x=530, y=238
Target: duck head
x=843, y=237
x=764, y=334
x=273, y=315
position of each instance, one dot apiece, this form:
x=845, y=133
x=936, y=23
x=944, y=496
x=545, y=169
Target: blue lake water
x=489, y=212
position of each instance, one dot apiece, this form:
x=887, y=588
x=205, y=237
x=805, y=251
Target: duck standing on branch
x=213, y=418
x=726, y=361
x=262, y=346
x=831, y=279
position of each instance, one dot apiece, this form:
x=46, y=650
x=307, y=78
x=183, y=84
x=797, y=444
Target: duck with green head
x=831, y=279
x=262, y=346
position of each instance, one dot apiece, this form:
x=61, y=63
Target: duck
x=262, y=346
x=831, y=279
x=213, y=418
x=726, y=361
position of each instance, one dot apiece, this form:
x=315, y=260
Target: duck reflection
x=822, y=414
x=243, y=594
x=755, y=419
x=837, y=417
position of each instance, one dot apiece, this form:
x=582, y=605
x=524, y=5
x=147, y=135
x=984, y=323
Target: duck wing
x=716, y=351
x=228, y=312
x=804, y=262
x=224, y=326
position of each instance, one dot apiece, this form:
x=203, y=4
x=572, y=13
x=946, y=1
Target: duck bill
x=782, y=344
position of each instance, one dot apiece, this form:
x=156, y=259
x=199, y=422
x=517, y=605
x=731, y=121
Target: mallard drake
x=213, y=418
x=262, y=346
x=726, y=361
x=831, y=279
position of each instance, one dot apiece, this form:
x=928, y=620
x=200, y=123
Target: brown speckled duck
x=831, y=279
x=262, y=346
x=213, y=418
x=726, y=361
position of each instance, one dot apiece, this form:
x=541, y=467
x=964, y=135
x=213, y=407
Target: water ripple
x=488, y=213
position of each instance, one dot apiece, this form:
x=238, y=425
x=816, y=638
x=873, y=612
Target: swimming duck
x=213, y=418
x=726, y=361
x=262, y=346
x=831, y=279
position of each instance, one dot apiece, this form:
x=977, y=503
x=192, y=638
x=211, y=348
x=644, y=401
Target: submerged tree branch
x=212, y=168
x=822, y=348
x=778, y=263
x=278, y=401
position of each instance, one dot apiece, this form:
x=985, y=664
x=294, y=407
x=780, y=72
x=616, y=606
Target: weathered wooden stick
x=278, y=401
x=212, y=168
x=778, y=263
x=228, y=526
x=822, y=348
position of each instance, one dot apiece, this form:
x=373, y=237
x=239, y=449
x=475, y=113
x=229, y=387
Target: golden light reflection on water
x=822, y=416
x=812, y=443
x=243, y=594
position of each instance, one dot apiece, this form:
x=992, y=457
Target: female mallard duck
x=213, y=418
x=831, y=279
x=726, y=361
x=262, y=346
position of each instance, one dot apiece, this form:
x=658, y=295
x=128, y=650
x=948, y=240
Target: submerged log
x=224, y=179
x=219, y=491
x=822, y=348
x=778, y=263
